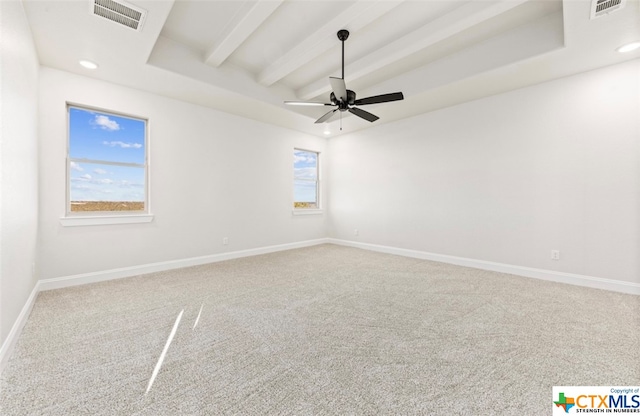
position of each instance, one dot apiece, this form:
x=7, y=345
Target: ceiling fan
x=344, y=99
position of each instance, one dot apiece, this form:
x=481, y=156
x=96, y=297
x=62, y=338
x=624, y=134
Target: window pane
x=102, y=187
x=100, y=136
x=304, y=194
x=305, y=183
x=305, y=165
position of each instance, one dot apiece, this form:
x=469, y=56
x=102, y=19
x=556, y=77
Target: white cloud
x=86, y=176
x=105, y=181
x=305, y=157
x=82, y=178
x=122, y=144
x=305, y=173
x=106, y=123
x=99, y=171
x=302, y=158
x=76, y=166
x=125, y=184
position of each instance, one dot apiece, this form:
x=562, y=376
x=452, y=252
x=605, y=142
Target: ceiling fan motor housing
x=342, y=105
x=351, y=97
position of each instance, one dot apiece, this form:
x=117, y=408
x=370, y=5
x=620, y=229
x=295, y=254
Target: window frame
x=75, y=218
x=318, y=208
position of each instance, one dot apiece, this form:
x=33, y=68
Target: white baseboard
x=560, y=277
x=7, y=346
x=94, y=277
x=81, y=279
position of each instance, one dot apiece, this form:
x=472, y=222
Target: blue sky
x=304, y=167
x=105, y=137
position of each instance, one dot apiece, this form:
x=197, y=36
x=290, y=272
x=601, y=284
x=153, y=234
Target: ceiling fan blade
x=339, y=88
x=384, y=98
x=310, y=103
x=364, y=114
x=326, y=116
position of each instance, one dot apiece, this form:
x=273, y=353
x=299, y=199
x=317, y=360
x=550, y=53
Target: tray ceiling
x=247, y=57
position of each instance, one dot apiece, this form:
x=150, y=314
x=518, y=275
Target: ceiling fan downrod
x=343, y=35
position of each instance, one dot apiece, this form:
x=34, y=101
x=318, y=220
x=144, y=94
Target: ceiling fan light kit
x=344, y=99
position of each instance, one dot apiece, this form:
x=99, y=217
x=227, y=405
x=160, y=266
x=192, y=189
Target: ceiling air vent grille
x=120, y=12
x=602, y=7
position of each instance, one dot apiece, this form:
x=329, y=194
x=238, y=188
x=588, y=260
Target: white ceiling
x=247, y=57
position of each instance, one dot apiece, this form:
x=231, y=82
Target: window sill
x=303, y=211
x=82, y=220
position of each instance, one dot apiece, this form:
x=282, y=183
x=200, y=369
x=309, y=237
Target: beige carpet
x=321, y=330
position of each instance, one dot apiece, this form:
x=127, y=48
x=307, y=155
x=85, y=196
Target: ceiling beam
x=439, y=29
x=238, y=33
x=354, y=18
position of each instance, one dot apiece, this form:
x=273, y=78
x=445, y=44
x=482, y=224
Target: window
x=106, y=163
x=305, y=180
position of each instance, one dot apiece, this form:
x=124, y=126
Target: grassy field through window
x=105, y=206
x=305, y=205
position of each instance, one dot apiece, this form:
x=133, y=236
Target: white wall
x=505, y=179
x=213, y=175
x=18, y=162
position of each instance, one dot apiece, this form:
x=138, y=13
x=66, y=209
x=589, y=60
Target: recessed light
x=89, y=64
x=629, y=47
x=327, y=132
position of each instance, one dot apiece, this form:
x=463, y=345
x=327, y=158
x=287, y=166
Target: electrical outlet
x=356, y=232
x=555, y=254
x=225, y=241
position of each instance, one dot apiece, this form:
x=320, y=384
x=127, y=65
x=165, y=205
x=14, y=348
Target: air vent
x=120, y=12
x=603, y=7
